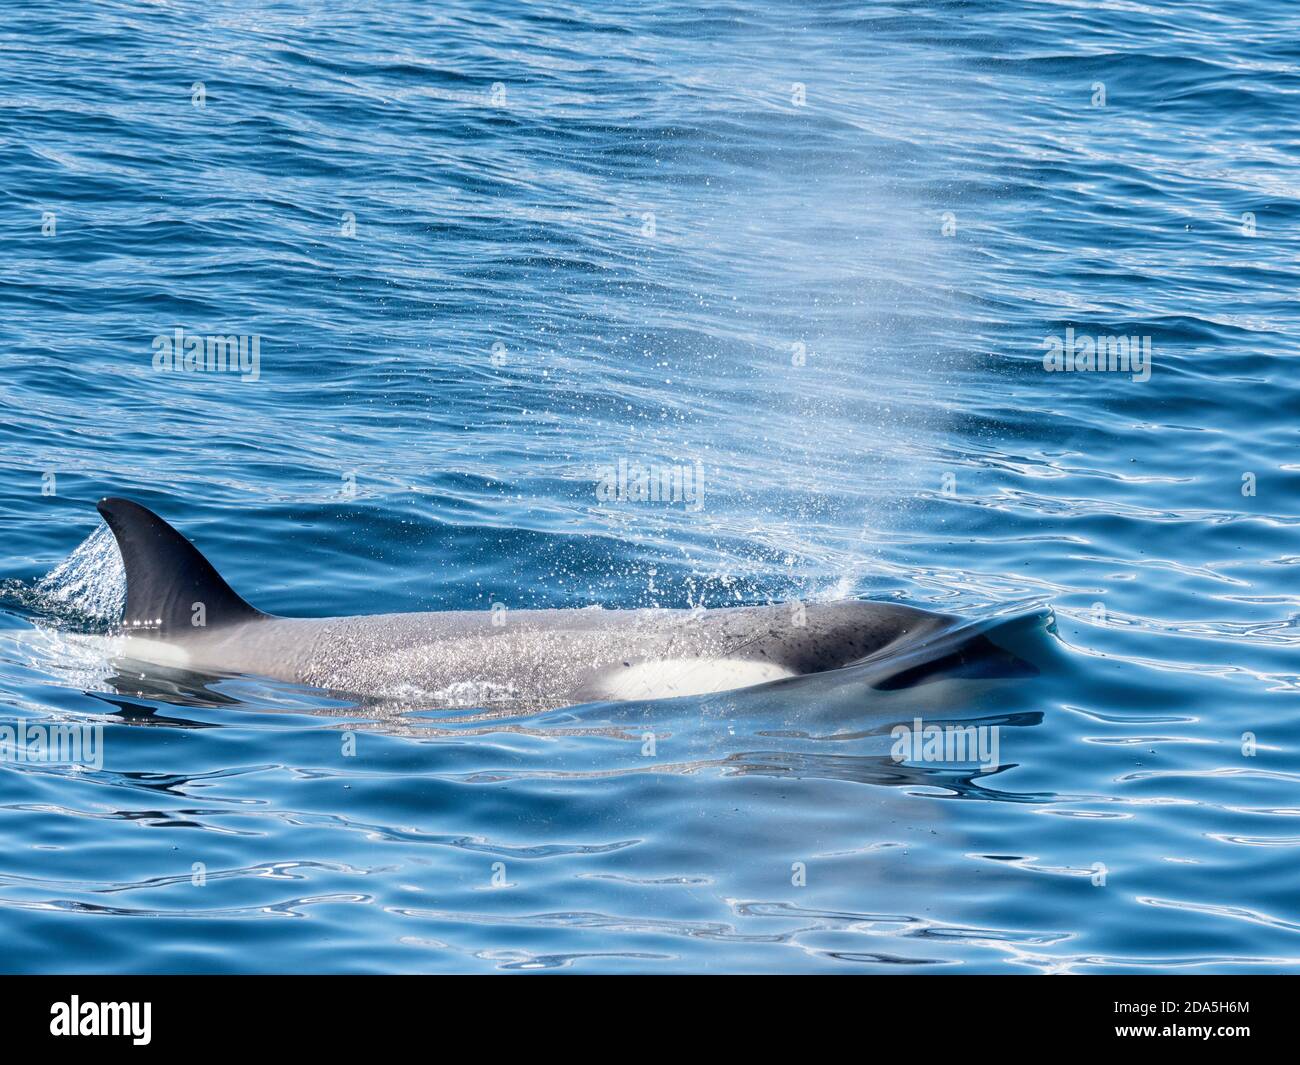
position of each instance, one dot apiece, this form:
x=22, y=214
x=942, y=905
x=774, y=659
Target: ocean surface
x=820, y=254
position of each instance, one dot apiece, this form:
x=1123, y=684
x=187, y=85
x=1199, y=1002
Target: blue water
x=492, y=248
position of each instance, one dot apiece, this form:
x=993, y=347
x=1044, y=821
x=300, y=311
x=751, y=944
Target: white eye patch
x=668, y=678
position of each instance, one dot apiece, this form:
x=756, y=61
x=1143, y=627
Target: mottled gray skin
x=180, y=612
x=552, y=657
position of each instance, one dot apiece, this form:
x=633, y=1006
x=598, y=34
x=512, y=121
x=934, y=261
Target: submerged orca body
x=181, y=613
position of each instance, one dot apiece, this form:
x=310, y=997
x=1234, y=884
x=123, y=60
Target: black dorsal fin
x=166, y=577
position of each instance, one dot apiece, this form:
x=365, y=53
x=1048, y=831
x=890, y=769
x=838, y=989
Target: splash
x=90, y=582
x=87, y=590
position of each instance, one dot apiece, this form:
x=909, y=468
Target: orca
x=180, y=613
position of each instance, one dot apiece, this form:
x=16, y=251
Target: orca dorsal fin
x=167, y=578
